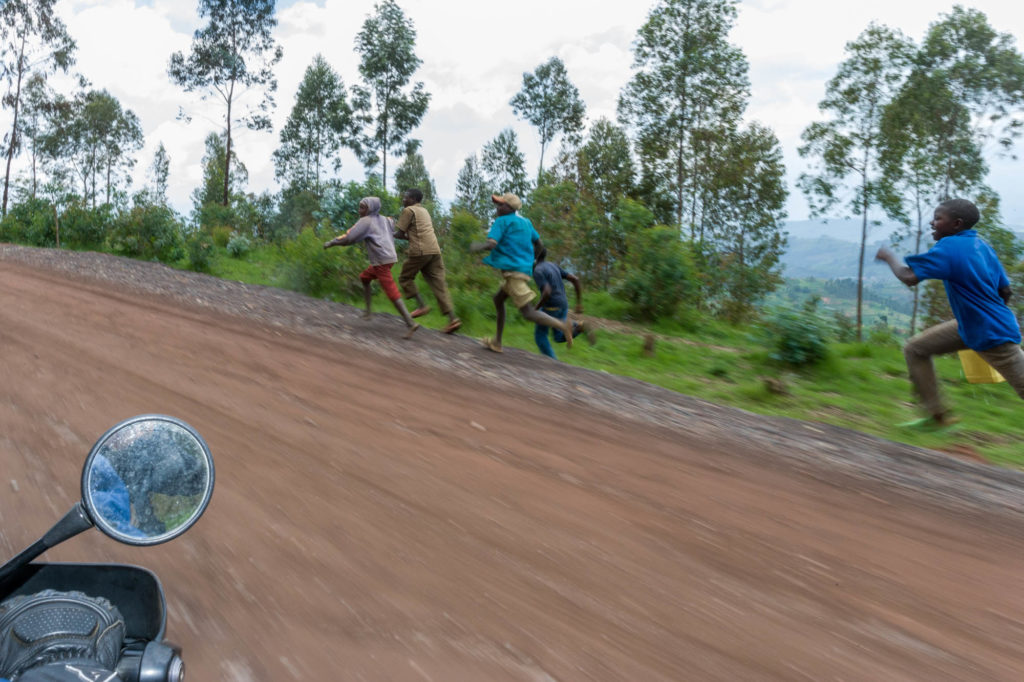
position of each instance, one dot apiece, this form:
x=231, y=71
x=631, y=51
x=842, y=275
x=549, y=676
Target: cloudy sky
x=474, y=53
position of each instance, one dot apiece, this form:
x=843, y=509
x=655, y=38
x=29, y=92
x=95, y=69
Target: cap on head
x=509, y=199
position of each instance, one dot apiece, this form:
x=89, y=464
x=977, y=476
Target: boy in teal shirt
x=513, y=244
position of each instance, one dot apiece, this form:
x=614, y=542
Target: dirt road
x=423, y=510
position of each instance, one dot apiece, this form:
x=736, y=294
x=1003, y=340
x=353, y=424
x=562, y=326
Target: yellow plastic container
x=977, y=370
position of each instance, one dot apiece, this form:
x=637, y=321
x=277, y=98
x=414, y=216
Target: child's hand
x=884, y=254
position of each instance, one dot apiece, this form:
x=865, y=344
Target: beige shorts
x=516, y=285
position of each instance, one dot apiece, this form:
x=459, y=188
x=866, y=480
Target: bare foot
x=412, y=330
x=567, y=333
x=490, y=344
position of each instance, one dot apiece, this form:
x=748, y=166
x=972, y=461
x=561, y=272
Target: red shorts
x=382, y=273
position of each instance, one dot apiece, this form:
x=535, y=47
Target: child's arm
x=356, y=233
x=482, y=246
x=579, y=291
x=545, y=294
x=903, y=272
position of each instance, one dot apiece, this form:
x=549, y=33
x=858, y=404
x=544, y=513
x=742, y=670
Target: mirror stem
x=73, y=523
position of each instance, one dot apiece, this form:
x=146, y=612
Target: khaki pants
x=432, y=268
x=1007, y=359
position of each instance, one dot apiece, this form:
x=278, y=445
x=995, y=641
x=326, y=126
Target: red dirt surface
x=382, y=515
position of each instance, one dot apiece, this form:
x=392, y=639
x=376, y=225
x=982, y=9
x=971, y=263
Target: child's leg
x=368, y=297
x=407, y=282
x=434, y=273
x=499, y=310
x=1008, y=360
x=537, y=317
x=559, y=313
x=938, y=340
x=387, y=283
x=540, y=335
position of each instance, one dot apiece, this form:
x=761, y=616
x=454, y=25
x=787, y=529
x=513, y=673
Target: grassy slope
x=860, y=386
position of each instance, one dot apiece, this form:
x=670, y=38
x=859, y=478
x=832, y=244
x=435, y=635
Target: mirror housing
x=147, y=480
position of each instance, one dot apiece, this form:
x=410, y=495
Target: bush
x=149, y=231
x=316, y=271
x=199, y=245
x=660, y=274
x=82, y=228
x=238, y=246
x=798, y=337
x=29, y=222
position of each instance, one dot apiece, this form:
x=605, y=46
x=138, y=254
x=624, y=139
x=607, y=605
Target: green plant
x=29, y=222
x=660, y=275
x=798, y=337
x=148, y=231
x=238, y=246
x=200, y=248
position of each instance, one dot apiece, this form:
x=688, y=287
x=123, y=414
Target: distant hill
x=831, y=258
x=828, y=250
x=848, y=229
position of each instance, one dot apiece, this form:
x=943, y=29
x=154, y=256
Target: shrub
x=199, y=245
x=29, y=222
x=659, y=275
x=316, y=271
x=148, y=231
x=82, y=228
x=238, y=246
x=798, y=337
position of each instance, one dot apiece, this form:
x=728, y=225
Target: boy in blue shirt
x=553, y=300
x=978, y=292
x=513, y=244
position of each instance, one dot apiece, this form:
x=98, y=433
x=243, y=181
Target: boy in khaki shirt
x=414, y=224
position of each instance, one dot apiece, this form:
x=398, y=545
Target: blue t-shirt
x=515, y=236
x=972, y=275
x=547, y=273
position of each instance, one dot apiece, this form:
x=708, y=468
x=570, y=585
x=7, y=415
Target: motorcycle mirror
x=147, y=480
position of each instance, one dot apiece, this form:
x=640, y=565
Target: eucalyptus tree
x=322, y=123
x=386, y=45
x=159, y=172
x=233, y=54
x=471, y=191
x=504, y=166
x=215, y=171
x=413, y=173
x=37, y=103
x=97, y=137
x=550, y=101
x=983, y=71
x=33, y=40
x=746, y=237
x=688, y=83
x=606, y=168
x=845, y=149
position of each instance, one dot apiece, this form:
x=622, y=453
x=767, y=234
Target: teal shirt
x=515, y=236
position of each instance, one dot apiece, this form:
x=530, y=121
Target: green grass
x=859, y=386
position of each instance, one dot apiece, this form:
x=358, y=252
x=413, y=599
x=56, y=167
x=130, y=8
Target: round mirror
x=147, y=480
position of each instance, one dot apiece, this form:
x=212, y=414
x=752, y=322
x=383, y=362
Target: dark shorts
x=382, y=273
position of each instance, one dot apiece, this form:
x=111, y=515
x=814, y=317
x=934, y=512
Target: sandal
x=490, y=345
x=452, y=326
x=412, y=330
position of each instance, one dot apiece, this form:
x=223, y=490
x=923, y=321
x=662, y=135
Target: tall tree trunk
x=860, y=269
x=917, y=249
x=679, y=187
x=14, y=127
x=227, y=159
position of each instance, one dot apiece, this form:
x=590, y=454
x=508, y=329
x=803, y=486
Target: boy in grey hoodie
x=378, y=233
